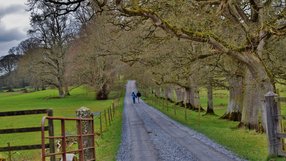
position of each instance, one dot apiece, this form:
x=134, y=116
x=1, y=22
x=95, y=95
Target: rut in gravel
x=149, y=135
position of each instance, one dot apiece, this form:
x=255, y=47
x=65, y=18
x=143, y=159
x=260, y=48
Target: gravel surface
x=149, y=135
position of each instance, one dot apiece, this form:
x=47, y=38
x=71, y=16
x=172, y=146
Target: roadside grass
x=248, y=144
x=64, y=107
x=108, y=145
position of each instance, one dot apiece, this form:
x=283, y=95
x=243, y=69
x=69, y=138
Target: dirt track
x=149, y=135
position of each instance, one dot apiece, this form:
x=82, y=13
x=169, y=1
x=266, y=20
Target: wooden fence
x=49, y=128
x=107, y=116
x=274, y=123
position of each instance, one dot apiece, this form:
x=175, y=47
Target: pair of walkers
x=134, y=96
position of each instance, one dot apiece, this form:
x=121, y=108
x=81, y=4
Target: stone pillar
x=86, y=128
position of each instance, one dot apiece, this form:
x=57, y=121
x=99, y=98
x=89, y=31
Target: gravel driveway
x=149, y=135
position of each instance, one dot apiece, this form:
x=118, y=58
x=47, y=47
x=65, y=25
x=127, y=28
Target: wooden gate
x=275, y=126
x=48, y=128
x=84, y=138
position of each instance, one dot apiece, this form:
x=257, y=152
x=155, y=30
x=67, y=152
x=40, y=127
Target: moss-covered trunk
x=235, y=100
x=102, y=93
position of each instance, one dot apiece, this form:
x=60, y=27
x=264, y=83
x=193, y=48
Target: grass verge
x=108, y=144
x=246, y=143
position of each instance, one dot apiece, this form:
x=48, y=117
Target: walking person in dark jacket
x=133, y=97
x=138, y=95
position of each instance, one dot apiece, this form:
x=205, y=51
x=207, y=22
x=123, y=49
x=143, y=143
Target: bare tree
x=239, y=29
x=54, y=32
x=8, y=65
x=92, y=59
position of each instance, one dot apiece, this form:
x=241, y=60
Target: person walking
x=138, y=95
x=133, y=97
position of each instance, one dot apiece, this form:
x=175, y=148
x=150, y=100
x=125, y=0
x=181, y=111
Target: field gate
x=84, y=137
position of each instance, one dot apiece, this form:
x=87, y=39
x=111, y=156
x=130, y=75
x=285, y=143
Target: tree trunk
x=179, y=96
x=61, y=92
x=168, y=93
x=42, y=88
x=210, y=108
x=60, y=87
x=258, y=81
x=253, y=103
x=195, y=98
x=67, y=92
x=102, y=94
x=235, y=101
x=10, y=89
x=187, y=98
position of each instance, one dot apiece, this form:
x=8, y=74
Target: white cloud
x=14, y=23
x=5, y=46
x=7, y=35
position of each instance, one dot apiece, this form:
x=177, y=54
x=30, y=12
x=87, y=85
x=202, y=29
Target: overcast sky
x=14, y=23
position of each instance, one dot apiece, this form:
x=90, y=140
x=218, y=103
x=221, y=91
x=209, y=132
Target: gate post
x=86, y=128
x=51, y=133
x=272, y=123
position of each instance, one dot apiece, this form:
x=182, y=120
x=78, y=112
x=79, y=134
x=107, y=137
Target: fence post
x=51, y=133
x=281, y=127
x=105, y=118
x=86, y=128
x=175, y=112
x=9, y=154
x=111, y=113
x=272, y=123
x=108, y=114
x=185, y=104
x=113, y=108
x=100, y=123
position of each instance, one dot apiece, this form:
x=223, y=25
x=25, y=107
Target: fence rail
x=22, y=130
x=104, y=118
x=24, y=112
x=24, y=147
x=48, y=112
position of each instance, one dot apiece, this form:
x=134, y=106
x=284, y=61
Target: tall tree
x=8, y=65
x=239, y=29
x=54, y=32
x=92, y=59
x=207, y=19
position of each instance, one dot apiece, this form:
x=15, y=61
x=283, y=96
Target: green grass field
x=246, y=143
x=65, y=107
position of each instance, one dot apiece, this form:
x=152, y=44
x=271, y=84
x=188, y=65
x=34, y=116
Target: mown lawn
x=246, y=143
x=65, y=107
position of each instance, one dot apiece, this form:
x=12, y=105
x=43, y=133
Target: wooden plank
x=272, y=122
x=24, y=112
x=282, y=99
x=22, y=130
x=24, y=147
x=51, y=134
x=281, y=135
